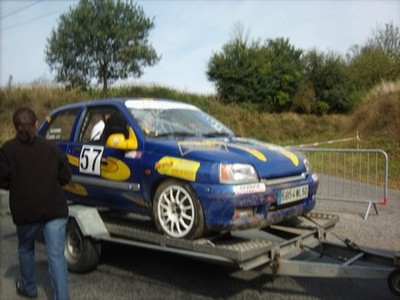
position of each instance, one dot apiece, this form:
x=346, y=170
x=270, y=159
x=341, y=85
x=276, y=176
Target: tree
x=285, y=73
x=387, y=39
x=100, y=39
x=378, y=59
x=327, y=76
x=235, y=71
x=251, y=72
x=234, y=67
x=369, y=66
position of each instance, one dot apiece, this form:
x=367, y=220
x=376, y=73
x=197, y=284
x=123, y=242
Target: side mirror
x=118, y=141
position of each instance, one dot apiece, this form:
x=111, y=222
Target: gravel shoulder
x=378, y=231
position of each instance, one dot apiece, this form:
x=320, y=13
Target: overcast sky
x=187, y=33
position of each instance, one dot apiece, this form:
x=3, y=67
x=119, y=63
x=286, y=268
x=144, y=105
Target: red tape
x=383, y=201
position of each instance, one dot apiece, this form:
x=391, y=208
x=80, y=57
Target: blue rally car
x=178, y=165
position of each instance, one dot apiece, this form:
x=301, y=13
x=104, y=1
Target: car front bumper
x=230, y=207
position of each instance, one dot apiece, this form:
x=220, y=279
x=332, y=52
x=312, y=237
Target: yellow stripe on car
x=115, y=169
x=76, y=188
x=111, y=168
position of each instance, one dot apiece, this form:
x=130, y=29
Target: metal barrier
x=356, y=175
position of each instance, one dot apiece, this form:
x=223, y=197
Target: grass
x=376, y=120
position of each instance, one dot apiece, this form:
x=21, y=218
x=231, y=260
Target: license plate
x=293, y=194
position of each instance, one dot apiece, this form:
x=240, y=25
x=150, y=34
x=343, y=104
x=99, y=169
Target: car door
x=106, y=176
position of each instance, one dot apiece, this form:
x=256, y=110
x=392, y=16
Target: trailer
x=298, y=247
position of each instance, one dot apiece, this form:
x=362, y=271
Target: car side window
x=60, y=127
x=93, y=124
x=115, y=123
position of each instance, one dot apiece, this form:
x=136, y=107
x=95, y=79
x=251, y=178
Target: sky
x=187, y=33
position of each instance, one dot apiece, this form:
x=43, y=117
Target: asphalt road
x=127, y=272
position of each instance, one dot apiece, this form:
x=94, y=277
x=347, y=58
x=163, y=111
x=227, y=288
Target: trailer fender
x=89, y=221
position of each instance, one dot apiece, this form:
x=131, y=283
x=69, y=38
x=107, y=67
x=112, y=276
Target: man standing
x=34, y=171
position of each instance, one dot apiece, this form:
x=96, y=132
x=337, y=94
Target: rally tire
x=177, y=211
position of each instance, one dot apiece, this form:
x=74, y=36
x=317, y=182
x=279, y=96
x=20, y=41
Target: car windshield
x=174, y=119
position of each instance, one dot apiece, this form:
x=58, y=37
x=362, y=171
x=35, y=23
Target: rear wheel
x=82, y=252
x=177, y=211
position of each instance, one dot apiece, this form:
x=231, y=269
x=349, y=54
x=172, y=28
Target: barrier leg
x=369, y=208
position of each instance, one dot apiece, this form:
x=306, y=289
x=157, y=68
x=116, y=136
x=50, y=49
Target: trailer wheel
x=177, y=211
x=394, y=282
x=82, y=252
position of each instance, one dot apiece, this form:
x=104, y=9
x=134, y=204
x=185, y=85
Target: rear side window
x=60, y=128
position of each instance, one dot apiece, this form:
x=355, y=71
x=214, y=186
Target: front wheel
x=177, y=211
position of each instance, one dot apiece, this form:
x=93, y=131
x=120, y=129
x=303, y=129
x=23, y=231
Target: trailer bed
x=239, y=247
x=298, y=247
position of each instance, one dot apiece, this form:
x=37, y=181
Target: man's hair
x=24, y=120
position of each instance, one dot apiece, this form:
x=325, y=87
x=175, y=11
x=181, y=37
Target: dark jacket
x=34, y=174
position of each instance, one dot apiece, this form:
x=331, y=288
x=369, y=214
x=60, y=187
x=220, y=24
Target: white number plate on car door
x=293, y=194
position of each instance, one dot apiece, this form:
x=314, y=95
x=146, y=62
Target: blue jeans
x=54, y=235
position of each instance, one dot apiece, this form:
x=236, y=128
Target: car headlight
x=237, y=173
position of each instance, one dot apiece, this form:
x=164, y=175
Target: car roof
x=157, y=104
x=132, y=103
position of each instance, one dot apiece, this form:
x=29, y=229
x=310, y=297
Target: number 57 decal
x=90, y=159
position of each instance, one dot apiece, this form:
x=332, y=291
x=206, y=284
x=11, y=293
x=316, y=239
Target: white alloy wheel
x=177, y=211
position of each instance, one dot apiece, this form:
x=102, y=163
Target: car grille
x=276, y=181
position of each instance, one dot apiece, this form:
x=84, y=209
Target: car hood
x=270, y=161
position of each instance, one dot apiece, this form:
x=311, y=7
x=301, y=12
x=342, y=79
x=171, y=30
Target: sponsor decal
x=177, y=167
x=54, y=134
x=252, y=188
x=187, y=147
x=133, y=154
